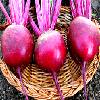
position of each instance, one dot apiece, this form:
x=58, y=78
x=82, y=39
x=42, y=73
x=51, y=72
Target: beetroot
x=83, y=35
x=17, y=42
x=50, y=53
x=82, y=38
x=50, y=50
x=82, y=42
x=17, y=45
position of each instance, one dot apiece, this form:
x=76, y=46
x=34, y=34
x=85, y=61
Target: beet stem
x=84, y=78
x=53, y=8
x=43, y=14
x=54, y=74
x=81, y=8
x=55, y=13
x=73, y=9
x=12, y=12
x=47, y=15
x=27, y=7
x=23, y=8
x=39, y=14
x=5, y=12
x=88, y=9
x=34, y=27
x=21, y=82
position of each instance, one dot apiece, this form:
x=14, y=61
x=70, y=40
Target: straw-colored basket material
x=40, y=84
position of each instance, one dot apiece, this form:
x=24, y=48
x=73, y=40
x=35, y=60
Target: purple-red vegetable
x=50, y=50
x=16, y=41
x=82, y=35
x=17, y=45
x=50, y=53
x=83, y=31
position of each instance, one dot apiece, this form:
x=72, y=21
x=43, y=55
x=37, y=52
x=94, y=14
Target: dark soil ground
x=8, y=92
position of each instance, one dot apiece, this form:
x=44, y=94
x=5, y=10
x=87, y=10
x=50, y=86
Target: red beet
x=50, y=53
x=17, y=48
x=17, y=45
x=50, y=50
x=82, y=42
x=17, y=42
x=83, y=38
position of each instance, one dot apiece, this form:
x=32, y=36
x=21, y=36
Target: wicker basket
x=40, y=85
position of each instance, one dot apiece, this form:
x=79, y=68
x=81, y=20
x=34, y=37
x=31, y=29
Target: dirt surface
x=8, y=92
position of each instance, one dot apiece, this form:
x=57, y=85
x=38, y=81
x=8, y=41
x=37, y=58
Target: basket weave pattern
x=40, y=85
